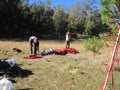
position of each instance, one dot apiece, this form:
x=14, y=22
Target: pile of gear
x=6, y=83
x=8, y=68
x=63, y=51
x=47, y=52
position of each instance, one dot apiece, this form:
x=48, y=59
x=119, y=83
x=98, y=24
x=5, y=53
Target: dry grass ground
x=80, y=71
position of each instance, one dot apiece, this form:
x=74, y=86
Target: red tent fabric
x=60, y=51
x=66, y=51
x=71, y=50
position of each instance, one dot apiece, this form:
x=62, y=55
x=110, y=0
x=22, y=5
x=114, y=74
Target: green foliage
x=21, y=19
x=114, y=29
x=73, y=16
x=101, y=36
x=90, y=25
x=109, y=9
x=104, y=39
x=59, y=19
x=94, y=44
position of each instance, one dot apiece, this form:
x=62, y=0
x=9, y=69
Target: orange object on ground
x=32, y=56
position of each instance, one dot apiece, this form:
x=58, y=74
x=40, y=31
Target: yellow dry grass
x=54, y=72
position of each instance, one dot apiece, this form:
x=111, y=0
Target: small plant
x=94, y=44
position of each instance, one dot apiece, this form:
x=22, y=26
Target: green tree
x=110, y=11
x=73, y=16
x=84, y=18
x=94, y=44
x=93, y=24
x=42, y=18
x=9, y=16
x=59, y=18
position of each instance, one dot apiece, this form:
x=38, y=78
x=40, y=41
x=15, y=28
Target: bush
x=94, y=44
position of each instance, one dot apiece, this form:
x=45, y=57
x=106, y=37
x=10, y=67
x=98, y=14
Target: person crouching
x=34, y=44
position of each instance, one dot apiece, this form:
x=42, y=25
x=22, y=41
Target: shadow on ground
x=25, y=73
x=26, y=89
x=17, y=72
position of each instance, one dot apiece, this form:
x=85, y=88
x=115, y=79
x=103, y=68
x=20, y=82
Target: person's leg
x=35, y=48
x=31, y=45
x=68, y=44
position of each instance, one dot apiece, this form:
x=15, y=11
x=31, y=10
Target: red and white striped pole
x=111, y=61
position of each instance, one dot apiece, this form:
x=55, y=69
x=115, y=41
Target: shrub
x=94, y=44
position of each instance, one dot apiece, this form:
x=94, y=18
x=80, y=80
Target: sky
x=66, y=3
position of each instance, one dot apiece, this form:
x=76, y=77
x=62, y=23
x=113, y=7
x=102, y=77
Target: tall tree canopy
x=19, y=18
